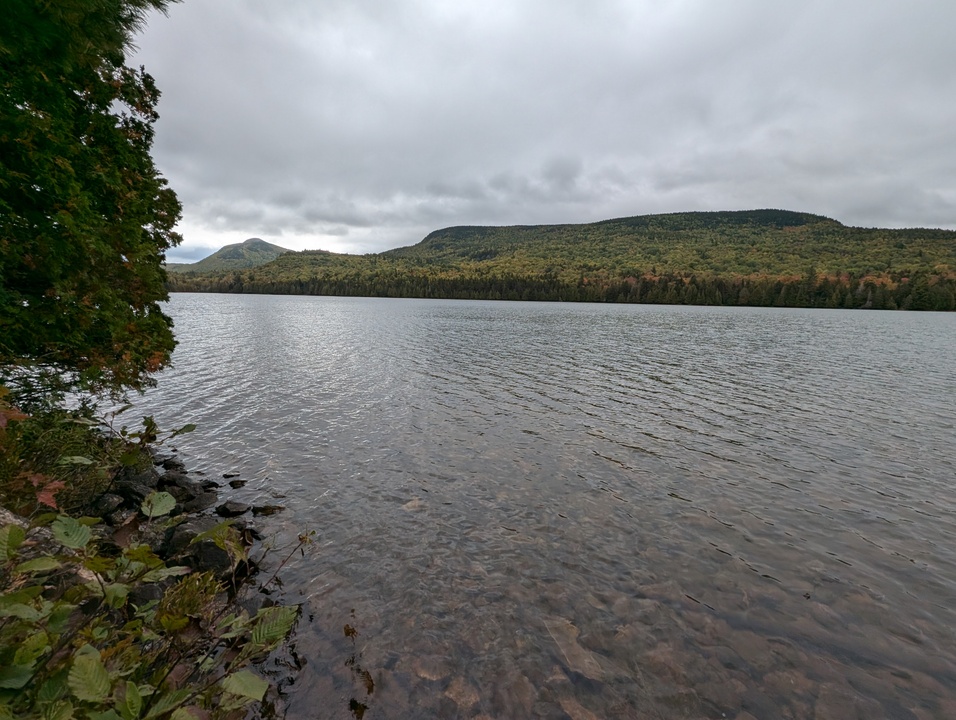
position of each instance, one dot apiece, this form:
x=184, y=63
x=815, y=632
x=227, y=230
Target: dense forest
x=760, y=257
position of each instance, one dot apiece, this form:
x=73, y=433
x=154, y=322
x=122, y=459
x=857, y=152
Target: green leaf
x=184, y=713
x=99, y=564
x=167, y=702
x=74, y=460
x=115, y=594
x=19, y=610
x=105, y=715
x=157, y=504
x=245, y=684
x=11, y=537
x=165, y=572
x=187, y=428
x=37, y=565
x=32, y=648
x=14, y=677
x=61, y=710
x=83, y=421
x=132, y=702
x=59, y=618
x=70, y=532
x=88, y=679
x=273, y=624
x=130, y=458
x=53, y=689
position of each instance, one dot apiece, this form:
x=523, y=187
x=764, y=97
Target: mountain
x=757, y=257
x=247, y=254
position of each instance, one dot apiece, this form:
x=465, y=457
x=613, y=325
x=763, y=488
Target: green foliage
x=53, y=459
x=85, y=217
x=760, y=257
x=157, y=504
x=72, y=645
x=63, y=459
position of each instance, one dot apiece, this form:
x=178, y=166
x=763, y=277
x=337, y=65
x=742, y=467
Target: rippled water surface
x=591, y=511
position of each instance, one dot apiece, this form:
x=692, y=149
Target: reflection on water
x=589, y=511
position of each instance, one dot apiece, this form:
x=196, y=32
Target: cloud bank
x=363, y=125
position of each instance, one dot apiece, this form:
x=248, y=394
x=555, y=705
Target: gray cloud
x=358, y=126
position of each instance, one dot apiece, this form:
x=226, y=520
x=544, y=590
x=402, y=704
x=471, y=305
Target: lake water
x=590, y=511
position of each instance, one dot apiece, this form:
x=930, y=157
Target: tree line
x=920, y=292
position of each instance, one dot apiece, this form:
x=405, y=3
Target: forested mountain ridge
x=247, y=254
x=759, y=257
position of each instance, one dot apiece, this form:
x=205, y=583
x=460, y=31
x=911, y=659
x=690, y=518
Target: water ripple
x=559, y=510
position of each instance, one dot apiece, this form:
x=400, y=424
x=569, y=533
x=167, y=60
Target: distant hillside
x=758, y=257
x=247, y=254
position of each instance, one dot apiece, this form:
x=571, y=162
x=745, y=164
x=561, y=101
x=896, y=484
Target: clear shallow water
x=579, y=511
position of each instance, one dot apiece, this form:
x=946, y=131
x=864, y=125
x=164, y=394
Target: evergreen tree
x=85, y=217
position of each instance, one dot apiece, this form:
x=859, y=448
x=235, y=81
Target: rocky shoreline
x=198, y=509
x=158, y=515
x=175, y=538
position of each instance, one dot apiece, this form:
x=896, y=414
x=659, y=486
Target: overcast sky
x=362, y=125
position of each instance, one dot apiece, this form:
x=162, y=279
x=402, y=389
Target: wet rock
x=200, y=502
x=182, y=495
x=181, y=486
x=207, y=556
x=179, y=537
x=267, y=509
x=148, y=477
x=202, y=555
x=247, y=529
x=232, y=508
x=170, y=462
x=210, y=485
x=106, y=503
x=134, y=485
x=145, y=593
x=236, y=484
x=8, y=518
x=120, y=516
x=228, y=475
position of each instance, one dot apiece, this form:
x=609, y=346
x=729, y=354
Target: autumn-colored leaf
x=46, y=496
x=10, y=413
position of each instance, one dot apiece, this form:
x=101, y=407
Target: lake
x=589, y=511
